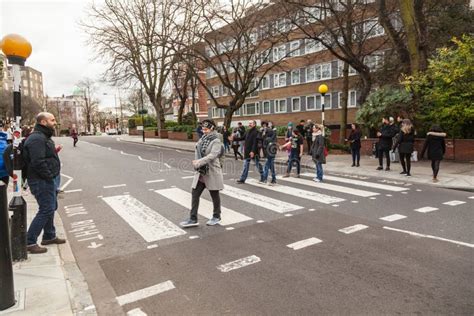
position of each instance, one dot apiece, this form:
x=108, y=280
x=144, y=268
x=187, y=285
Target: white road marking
x=72, y=191
x=155, y=181
x=454, y=203
x=331, y=187
x=188, y=177
x=260, y=200
x=89, y=308
x=179, y=151
x=288, y=215
x=373, y=198
x=125, y=154
x=136, y=312
x=167, y=166
x=471, y=197
x=70, y=179
x=304, y=243
x=418, y=190
x=260, y=221
x=145, y=293
x=353, y=229
x=145, y=221
x=114, y=186
x=430, y=236
x=361, y=183
x=426, y=209
x=237, y=264
x=152, y=246
x=183, y=198
x=311, y=210
x=193, y=237
x=73, y=205
x=355, y=202
x=308, y=195
x=146, y=160
x=230, y=228
x=392, y=218
x=388, y=195
x=335, y=205
x=404, y=192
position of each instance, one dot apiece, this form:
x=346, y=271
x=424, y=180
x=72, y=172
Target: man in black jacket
x=386, y=134
x=251, y=152
x=308, y=132
x=43, y=167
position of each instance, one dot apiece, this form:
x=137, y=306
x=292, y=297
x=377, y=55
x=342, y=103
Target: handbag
x=203, y=170
x=326, y=152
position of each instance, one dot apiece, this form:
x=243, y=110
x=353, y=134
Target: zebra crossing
x=150, y=222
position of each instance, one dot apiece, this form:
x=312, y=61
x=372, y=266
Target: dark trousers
x=405, y=161
x=75, y=140
x=294, y=159
x=310, y=143
x=196, y=195
x=44, y=192
x=236, y=152
x=386, y=153
x=5, y=179
x=355, y=155
x=435, y=167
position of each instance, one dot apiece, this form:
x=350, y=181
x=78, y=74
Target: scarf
x=317, y=134
x=204, y=143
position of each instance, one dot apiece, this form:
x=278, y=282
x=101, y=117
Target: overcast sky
x=59, y=45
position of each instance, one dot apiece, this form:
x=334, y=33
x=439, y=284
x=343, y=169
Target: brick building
x=69, y=112
x=31, y=82
x=200, y=101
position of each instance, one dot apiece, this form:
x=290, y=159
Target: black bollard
x=7, y=291
x=19, y=228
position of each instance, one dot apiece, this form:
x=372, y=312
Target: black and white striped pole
x=17, y=49
x=323, y=89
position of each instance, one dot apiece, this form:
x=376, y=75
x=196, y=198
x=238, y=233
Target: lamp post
x=323, y=89
x=17, y=49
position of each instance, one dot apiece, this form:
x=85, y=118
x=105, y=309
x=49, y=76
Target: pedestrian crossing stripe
x=304, y=194
x=373, y=185
x=145, y=221
x=331, y=187
x=184, y=198
x=260, y=200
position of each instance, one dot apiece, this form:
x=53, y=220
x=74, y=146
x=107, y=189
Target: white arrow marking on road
x=304, y=243
x=94, y=245
x=145, y=293
x=430, y=236
x=67, y=182
x=240, y=263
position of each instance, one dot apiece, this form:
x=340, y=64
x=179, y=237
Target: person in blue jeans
x=270, y=147
x=250, y=152
x=317, y=151
x=296, y=152
x=43, y=168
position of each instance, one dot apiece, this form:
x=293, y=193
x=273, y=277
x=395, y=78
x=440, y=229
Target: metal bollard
x=7, y=291
x=19, y=228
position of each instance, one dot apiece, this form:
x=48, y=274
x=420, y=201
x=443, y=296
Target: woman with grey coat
x=317, y=152
x=208, y=174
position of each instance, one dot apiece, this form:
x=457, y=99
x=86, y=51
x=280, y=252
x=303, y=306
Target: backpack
x=8, y=159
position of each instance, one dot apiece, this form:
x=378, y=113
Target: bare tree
x=90, y=105
x=349, y=30
x=132, y=37
x=233, y=42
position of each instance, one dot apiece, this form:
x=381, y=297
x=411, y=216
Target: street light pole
x=142, y=112
x=323, y=89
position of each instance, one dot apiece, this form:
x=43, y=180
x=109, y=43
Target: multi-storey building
x=31, y=83
x=200, y=99
x=69, y=110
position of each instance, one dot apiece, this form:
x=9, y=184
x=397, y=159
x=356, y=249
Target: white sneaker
x=316, y=180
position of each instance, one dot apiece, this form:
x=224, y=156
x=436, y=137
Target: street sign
x=139, y=128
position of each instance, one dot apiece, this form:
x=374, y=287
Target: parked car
x=112, y=131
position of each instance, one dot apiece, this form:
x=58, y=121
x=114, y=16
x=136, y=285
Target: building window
x=295, y=76
x=374, y=61
x=352, y=99
x=215, y=112
x=373, y=28
x=311, y=103
x=295, y=48
x=310, y=73
x=215, y=91
x=312, y=46
x=295, y=105
x=326, y=71
x=318, y=72
x=279, y=52
x=265, y=83
x=253, y=85
x=252, y=109
x=237, y=112
x=225, y=91
x=279, y=79
x=340, y=67
x=266, y=107
x=280, y=106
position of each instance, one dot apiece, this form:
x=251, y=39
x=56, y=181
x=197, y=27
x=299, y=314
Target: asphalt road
x=279, y=251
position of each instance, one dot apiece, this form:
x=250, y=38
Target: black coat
x=435, y=145
x=250, y=144
x=40, y=154
x=354, y=139
x=270, y=142
x=388, y=132
x=308, y=130
x=301, y=129
x=405, y=143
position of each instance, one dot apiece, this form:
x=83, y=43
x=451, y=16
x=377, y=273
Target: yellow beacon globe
x=323, y=89
x=14, y=45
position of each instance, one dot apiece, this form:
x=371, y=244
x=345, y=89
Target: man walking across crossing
x=251, y=152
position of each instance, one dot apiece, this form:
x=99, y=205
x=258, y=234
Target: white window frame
x=265, y=79
x=296, y=72
x=276, y=79
x=215, y=91
x=278, y=104
x=257, y=109
x=215, y=112
x=350, y=104
x=311, y=96
x=269, y=107
x=295, y=48
x=279, y=53
x=330, y=71
x=313, y=69
x=312, y=46
x=373, y=26
x=293, y=104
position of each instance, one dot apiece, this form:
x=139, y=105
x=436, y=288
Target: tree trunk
x=407, y=12
x=423, y=34
x=366, y=86
x=182, y=104
x=344, y=100
x=228, y=117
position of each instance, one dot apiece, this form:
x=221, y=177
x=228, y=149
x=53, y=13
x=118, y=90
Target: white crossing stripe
x=155, y=181
x=184, y=198
x=114, y=186
x=145, y=221
x=260, y=200
x=187, y=177
x=454, y=203
x=72, y=191
x=373, y=185
x=331, y=187
x=145, y=293
x=136, y=312
x=471, y=197
x=304, y=243
x=353, y=229
x=392, y=218
x=431, y=237
x=240, y=263
x=308, y=195
x=426, y=209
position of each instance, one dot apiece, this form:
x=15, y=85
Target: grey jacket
x=214, y=179
x=317, y=149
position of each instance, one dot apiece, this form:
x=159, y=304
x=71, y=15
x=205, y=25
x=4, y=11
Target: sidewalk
x=452, y=175
x=49, y=283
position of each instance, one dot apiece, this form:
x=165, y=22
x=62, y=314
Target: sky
x=60, y=50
